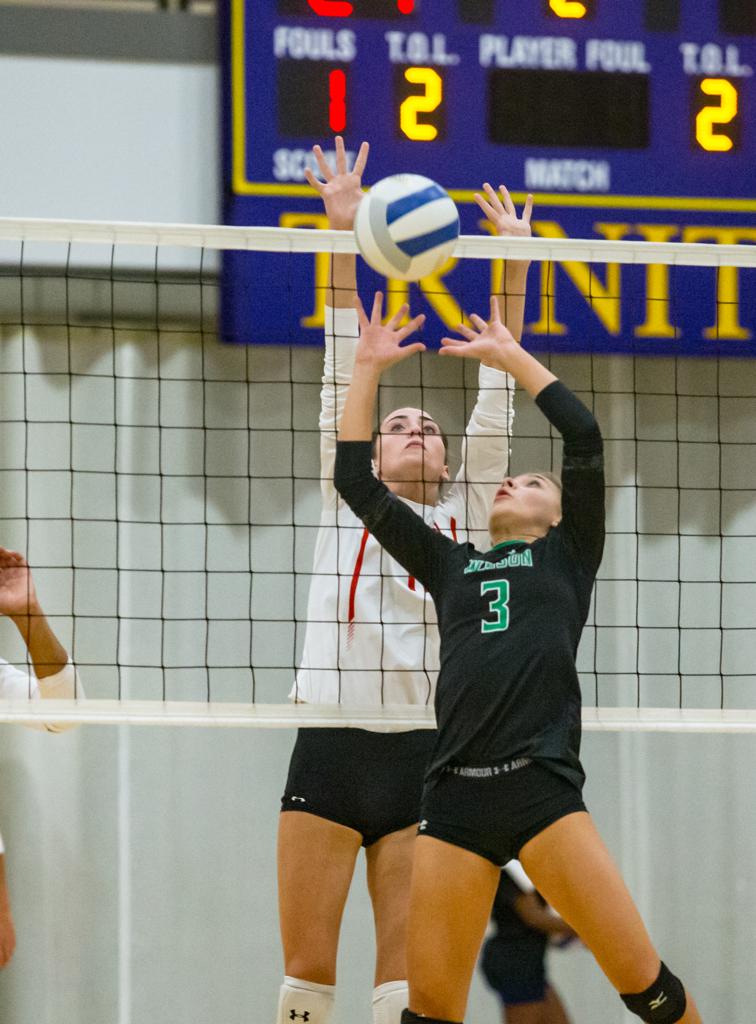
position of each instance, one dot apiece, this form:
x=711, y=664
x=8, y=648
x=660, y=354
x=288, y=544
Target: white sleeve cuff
x=65, y=684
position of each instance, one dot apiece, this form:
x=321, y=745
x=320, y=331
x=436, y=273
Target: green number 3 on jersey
x=498, y=605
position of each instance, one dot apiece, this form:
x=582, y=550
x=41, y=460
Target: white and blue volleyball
x=406, y=226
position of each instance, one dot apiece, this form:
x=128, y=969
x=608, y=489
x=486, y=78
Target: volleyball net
x=165, y=487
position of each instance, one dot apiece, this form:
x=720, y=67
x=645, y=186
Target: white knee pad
x=304, y=1002
x=389, y=1000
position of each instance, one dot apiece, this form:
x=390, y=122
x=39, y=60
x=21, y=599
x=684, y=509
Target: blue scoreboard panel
x=627, y=120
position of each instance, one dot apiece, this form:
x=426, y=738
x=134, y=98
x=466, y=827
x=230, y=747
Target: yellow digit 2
x=568, y=8
x=721, y=113
x=424, y=103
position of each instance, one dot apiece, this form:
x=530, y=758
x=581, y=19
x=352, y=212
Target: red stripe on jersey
x=356, y=573
x=453, y=527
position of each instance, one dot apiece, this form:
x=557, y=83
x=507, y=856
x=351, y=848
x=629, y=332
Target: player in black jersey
x=505, y=777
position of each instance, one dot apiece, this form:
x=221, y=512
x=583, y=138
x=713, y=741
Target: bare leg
x=316, y=861
x=389, y=871
x=525, y=1013
x=550, y=1010
x=574, y=872
x=451, y=898
x=555, y=1009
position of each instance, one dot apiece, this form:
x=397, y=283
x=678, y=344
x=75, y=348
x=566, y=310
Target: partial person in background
x=513, y=959
x=53, y=677
x=7, y=929
x=372, y=639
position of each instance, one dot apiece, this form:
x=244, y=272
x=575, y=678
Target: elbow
x=341, y=484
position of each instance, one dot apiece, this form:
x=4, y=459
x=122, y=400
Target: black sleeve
x=582, y=473
x=419, y=548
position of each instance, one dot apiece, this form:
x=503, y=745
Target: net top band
x=306, y=240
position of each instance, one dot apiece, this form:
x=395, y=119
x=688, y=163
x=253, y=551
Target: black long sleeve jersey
x=510, y=618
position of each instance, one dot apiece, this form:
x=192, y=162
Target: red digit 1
x=337, y=101
x=332, y=8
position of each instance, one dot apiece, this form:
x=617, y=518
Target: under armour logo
x=302, y=801
x=422, y=826
x=656, y=1003
x=293, y=1015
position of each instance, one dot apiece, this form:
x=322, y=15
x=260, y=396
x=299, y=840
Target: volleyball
x=406, y=226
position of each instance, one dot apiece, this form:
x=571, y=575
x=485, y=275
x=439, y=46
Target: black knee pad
x=408, y=1017
x=662, y=1003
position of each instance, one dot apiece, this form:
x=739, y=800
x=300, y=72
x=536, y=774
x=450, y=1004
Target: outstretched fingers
x=316, y=183
x=455, y=347
x=409, y=350
x=468, y=332
x=361, y=314
x=341, y=162
x=362, y=155
x=509, y=206
x=494, y=199
x=414, y=325
x=376, y=315
x=397, y=318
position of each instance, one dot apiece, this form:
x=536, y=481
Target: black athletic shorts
x=515, y=968
x=495, y=814
x=371, y=782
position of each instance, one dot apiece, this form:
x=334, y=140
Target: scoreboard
x=627, y=120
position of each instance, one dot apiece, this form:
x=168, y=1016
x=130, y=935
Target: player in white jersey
x=372, y=639
x=53, y=676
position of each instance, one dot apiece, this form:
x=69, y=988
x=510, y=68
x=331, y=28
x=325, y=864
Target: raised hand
x=488, y=342
x=503, y=214
x=380, y=345
x=341, y=191
x=17, y=593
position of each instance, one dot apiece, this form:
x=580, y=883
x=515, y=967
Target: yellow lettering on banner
x=603, y=299
x=440, y=298
x=397, y=293
x=313, y=220
x=727, y=326
x=657, y=323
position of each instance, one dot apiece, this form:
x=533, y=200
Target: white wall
x=108, y=140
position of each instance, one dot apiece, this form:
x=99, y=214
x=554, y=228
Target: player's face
x=530, y=502
x=410, y=448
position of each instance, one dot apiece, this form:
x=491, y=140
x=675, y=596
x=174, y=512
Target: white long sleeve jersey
x=16, y=684
x=371, y=635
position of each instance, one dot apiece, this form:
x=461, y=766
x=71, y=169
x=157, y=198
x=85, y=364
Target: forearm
x=526, y=370
x=45, y=650
x=574, y=421
x=512, y=301
x=342, y=281
x=359, y=408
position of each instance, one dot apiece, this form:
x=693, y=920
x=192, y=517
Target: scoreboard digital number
x=632, y=120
